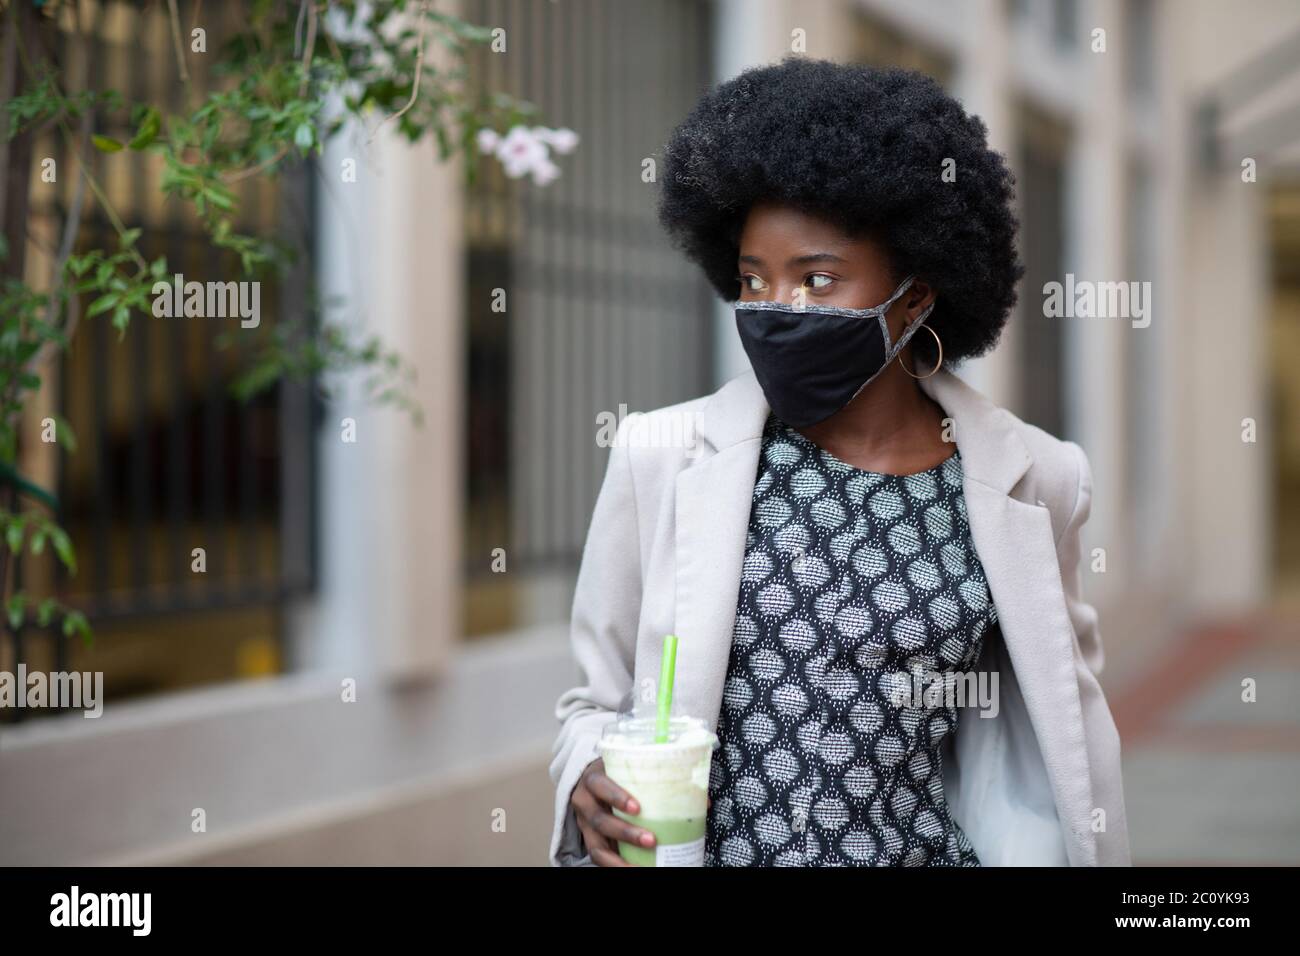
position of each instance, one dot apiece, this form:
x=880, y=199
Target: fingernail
x=647, y=838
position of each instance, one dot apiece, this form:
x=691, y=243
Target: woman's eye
x=752, y=283
x=812, y=280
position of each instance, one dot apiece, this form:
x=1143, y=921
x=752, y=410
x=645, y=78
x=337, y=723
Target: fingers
x=603, y=857
x=608, y=792
x=597, y=815
x=603, y=851
x=601, y=828
x=605, y=823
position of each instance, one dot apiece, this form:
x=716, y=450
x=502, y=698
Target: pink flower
x=562, y=140
x=520, y=151
x=545, y=172
x=524, y=150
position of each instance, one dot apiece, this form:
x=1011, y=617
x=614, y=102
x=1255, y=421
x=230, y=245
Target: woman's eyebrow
x=799, y=260
x=816, y=257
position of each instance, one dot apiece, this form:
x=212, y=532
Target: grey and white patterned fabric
x=850, y=580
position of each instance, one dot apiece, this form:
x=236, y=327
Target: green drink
x=675, y=842
x=670, y=780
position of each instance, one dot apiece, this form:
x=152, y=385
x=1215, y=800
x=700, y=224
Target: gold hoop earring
x=936, y=364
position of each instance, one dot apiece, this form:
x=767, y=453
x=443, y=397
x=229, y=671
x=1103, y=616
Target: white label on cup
x=680, y=854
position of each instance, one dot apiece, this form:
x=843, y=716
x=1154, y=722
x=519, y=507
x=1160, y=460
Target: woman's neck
x=892, y=427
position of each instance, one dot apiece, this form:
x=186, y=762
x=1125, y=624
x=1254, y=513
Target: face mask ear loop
x=908, y=332
x=889, y=303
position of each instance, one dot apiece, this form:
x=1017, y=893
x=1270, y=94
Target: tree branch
x=242, y=174
x=176, y=41
x=279, y=154
x=415, y=85
x=72, y=225
x=311, y=46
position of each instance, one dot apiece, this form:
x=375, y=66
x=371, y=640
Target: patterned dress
x=852, y=581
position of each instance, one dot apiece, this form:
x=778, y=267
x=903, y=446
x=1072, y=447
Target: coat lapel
x=713, y=499
x=1013, y=539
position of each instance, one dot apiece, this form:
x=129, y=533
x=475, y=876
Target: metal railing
x=168, y=459
x=602, y=312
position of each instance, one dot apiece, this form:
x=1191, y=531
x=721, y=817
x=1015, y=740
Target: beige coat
x=1039, y=784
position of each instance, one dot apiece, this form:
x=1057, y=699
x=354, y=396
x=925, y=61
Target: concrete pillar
x=1094, y=251
x=750, y=33
x=984, y=87
x=390, y=247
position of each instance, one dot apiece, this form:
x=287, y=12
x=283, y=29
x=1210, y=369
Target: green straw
x=667, y=668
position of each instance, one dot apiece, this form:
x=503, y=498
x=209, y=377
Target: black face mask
x=812, y=360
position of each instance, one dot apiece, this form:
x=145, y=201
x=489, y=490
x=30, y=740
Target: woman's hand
x=593, y=802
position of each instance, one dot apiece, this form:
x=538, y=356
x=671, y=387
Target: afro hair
x=866, y=149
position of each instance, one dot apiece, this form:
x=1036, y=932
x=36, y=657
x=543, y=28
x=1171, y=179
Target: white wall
x=286, y=763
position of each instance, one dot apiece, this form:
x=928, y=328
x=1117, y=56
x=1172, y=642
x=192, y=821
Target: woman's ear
x=918, y=297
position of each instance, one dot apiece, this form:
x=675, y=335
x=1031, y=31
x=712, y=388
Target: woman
x=850, y=514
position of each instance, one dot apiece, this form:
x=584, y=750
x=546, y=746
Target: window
x=1283, y=207
x=1065, y=23
x=601, y=314
x=1041, y=198
x=1139, y=48
x=168, y=460
x=1143, y=374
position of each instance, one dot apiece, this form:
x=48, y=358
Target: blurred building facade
x=1128, y=147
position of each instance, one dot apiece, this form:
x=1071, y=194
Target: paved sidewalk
x=1208, y=778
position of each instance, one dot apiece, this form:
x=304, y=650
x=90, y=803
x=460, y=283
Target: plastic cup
x=669, y=780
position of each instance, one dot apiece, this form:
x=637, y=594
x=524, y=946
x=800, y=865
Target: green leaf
x=17, y=607
x=102, y=304
x=148, y=129
x=45, y=611
x=106, y=144
x=63, y=548
x=221, y=198
x=304, y=136
x=75, y=621
x=67, y=437
x=14, y=533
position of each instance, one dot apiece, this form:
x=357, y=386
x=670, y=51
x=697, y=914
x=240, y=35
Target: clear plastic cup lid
x=638, y=730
